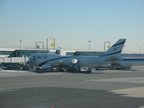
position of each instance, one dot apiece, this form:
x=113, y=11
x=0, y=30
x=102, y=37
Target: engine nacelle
x=46, y=66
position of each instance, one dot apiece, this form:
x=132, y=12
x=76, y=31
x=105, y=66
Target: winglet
x=116, y=48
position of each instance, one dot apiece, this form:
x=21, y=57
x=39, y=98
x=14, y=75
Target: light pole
x=105, y=44
x=47, y=44
x=140, y=50
x=89, y=45
x=54, y=43
x=20, y=43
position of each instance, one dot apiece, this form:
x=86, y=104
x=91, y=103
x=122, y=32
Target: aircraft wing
x=59, y=62
x=114, y=59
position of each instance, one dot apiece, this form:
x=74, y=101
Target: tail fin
x=116, y=48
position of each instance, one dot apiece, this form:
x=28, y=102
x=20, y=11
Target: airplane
x=77, y=63
x=127, y=63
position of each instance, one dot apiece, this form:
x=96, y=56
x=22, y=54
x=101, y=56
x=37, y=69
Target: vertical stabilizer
x=116, y=48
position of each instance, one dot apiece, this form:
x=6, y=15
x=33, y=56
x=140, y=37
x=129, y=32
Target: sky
x=72, y=23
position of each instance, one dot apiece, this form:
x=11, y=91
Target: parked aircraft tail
x=116, y=48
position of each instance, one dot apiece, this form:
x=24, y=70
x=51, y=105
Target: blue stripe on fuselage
x=133, y=59
x=52, y=60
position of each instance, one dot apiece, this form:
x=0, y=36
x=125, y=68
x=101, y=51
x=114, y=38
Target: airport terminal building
x=20, y=56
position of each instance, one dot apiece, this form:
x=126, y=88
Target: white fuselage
x=56, y=60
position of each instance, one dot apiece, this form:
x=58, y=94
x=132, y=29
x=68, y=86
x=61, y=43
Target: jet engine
x=46, y=66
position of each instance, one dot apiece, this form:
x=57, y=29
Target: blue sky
x=72, y=23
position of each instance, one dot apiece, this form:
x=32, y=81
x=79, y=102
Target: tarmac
x=100, y=89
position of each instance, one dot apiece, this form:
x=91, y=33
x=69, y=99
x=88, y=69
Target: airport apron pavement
x=103, y=88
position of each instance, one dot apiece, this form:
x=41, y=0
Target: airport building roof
x=24, y=52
